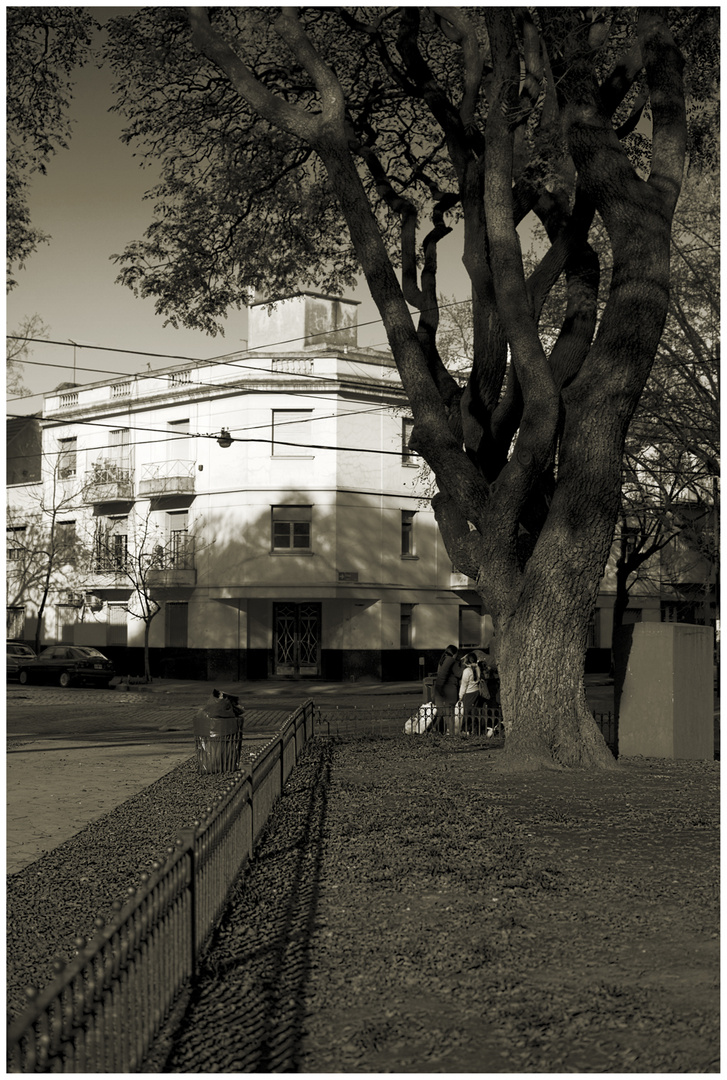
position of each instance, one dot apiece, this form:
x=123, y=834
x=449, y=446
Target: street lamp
x=225, y=439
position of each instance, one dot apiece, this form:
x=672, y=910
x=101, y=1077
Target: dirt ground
x=410, y=910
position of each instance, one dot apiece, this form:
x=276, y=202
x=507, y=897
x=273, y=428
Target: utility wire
x=163, y=431
x=213, y=362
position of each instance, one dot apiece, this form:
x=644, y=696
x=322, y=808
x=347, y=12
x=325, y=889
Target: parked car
x=16, y=652
x=67, y=664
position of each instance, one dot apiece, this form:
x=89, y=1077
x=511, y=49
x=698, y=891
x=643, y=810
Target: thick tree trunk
x=547, y=720
x=542, y=638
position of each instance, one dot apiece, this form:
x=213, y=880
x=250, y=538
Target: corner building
x=303, y=548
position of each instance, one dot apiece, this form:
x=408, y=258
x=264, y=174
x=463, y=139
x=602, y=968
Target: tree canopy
x=45, y=45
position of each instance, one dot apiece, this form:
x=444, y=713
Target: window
x=119, y=447
x=470, y=627
x=291, y=528
x=629, y=539
x=291, y=432
x=408, y=457
x=175, y=625
x=407, y=533
x=179, y=442
x=405, y=622
x=112, y=545
x=178, y=544
x=16, y=622
x=67, y=457
x=16, y=542
x=66, y=540
x=117, y=628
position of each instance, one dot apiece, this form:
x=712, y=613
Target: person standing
x=472, y=688
x=446, y=686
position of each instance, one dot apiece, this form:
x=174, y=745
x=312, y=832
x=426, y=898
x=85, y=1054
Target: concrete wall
x=664, y=690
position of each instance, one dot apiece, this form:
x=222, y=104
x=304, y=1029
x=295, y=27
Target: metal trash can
x=428, y=689
x=218, y=734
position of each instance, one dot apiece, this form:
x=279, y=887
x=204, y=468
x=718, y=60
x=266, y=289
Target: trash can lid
x=204, y=724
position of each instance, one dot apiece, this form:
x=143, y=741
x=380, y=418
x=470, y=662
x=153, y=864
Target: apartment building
x=267, y=504
x=267, y=507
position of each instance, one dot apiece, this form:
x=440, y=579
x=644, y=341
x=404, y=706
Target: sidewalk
x=303, y=689
x=55, y=787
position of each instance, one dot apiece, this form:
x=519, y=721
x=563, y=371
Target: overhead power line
x=214, y=361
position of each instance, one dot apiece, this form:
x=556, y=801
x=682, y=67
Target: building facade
x=262, y=513
x=265, y=502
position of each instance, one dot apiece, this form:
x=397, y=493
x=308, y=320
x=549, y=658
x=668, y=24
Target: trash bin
x=218, y=734
x=428, y=689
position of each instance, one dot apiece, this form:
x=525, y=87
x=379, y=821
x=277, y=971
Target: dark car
x=16, y=652
x=67, y=664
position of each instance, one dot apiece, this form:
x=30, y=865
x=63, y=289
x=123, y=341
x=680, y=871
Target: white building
x=302, y=548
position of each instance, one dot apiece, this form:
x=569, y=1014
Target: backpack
x=482, y=687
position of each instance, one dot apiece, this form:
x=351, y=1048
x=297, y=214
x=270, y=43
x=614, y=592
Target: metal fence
x=105, y=1008
x=391, y=720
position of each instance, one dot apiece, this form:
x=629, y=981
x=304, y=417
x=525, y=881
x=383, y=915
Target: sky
x=91, y=203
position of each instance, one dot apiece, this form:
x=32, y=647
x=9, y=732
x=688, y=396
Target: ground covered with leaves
x=411, y=910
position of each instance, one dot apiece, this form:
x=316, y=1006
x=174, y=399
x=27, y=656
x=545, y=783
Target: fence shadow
x=261, y=951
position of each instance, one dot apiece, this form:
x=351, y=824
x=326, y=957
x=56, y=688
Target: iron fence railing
x=105, y=1008
x=389, y=720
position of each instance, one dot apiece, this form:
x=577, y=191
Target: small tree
x=43, y=541
x=144, y=555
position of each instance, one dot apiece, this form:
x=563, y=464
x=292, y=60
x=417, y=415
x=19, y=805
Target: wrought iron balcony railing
x=167, y=478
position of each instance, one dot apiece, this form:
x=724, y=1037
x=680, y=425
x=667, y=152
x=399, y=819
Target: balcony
x=173, y=564
x=167, y=478
x=109, y=481
x=109, y=573
x=464, y=587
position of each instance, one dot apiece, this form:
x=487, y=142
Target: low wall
x=664, y=690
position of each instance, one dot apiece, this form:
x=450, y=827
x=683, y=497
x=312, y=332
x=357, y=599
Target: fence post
x=186, y=838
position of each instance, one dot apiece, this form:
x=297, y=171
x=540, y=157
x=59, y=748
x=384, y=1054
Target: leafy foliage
x=44, y=46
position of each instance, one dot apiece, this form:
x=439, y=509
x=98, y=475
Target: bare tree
x=42, y=541
x=671, y=461
x=142, y=558
x=18, y=347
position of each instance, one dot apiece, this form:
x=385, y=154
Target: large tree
x=313, y=143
